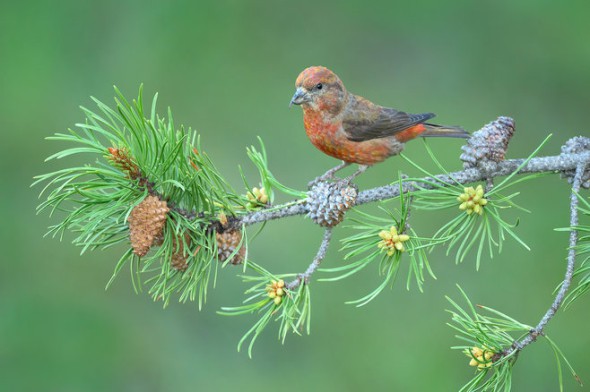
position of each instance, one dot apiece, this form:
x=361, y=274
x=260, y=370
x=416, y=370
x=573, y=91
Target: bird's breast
x=327, y=135
x=322, y=132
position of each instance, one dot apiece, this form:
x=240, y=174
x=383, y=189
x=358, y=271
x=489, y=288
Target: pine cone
x=227, y=242
x=179, y=257
x=121, y=158
x=178, y=261
x=146, y=223
x=577, y=145
x=486, y=147
x=328, y=202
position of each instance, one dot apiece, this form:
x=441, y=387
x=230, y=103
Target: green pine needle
x=293, y=312
x=364, y=247
x=493, y=331
x=471, y=234
x=136, y=154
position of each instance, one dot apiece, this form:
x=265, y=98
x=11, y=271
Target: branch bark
x=571, y=261
x=547, y=164
x=304, y=277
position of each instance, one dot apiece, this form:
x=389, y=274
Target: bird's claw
x=329, y=175
x=317, y=180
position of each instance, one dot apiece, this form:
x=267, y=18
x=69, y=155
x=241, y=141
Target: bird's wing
x=366, y=120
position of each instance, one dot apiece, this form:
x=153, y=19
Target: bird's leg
x=360, y=170
x=329, y=174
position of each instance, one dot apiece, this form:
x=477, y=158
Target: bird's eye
x=318, y=86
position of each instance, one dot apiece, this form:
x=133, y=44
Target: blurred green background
x=227, y=68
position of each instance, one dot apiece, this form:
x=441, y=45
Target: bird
x=352, y=128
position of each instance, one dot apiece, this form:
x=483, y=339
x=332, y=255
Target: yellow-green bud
x=472, y=200
x=222, y=218
x=392, y=241
x=257, y=195
x=404, y=237
x=479, y=191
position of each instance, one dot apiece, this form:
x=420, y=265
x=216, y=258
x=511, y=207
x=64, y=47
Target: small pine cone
x=121, y=158
x=328, y=202
x=178, y=261
x=486, y=147
x=179, y=257
x=146, y=223
x=227, y=242
x=158, y=239
x=577, y=145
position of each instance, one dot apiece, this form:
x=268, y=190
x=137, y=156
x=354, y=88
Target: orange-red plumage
x=352, y=128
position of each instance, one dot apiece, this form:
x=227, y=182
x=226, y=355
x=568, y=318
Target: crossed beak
x=300, y=96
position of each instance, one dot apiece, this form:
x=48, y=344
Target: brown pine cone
x=227, y=242
x=146, y=222
x=181, y=254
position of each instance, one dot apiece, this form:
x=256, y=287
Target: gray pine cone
x=486, y=147
x=328, y=202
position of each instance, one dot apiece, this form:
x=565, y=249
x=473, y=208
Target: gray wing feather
x=389, y=122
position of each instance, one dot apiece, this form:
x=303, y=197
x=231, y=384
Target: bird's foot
x=327, y=175
x=360, y=170
x=317, y=180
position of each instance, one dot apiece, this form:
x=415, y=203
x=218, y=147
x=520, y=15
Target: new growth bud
x=392, y=241
x=257, y=196
x=276, y=291
x=482, y=357
x=472, y=200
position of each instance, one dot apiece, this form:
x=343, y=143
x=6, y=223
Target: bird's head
x=319, y=89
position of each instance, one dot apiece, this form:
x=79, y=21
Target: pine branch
x=492, y=349
x=547, y=164
x=571, y=261
x=304, y=277
x=160, y=193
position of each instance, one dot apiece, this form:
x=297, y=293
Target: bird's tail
x=433, y=130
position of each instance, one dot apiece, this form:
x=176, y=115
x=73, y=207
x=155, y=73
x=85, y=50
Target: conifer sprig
x=141, y=155
x=490, y=339
x=153, y=188
x=271, y=297
x=386, y=240
x=478, y=225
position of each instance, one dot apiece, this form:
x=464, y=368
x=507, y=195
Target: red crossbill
x=352, y=128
